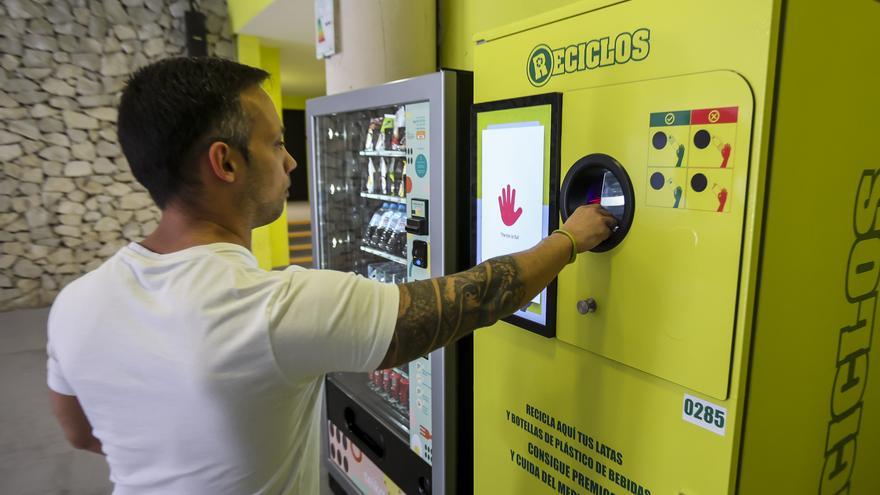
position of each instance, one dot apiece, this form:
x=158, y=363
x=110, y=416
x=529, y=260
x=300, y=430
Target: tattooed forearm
x=438, y=311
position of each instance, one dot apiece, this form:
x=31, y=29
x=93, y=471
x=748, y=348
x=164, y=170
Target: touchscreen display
x=513, y=184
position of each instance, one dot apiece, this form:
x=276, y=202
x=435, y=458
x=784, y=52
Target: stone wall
x=67, y=197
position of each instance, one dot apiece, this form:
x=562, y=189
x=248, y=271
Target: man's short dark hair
x=171, y=109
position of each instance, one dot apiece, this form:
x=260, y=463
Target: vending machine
x=720, y=340
x=388, y=178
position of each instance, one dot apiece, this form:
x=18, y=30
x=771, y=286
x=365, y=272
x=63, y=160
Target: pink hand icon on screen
x=507, y=202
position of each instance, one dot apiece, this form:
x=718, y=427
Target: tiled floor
x=35, y=459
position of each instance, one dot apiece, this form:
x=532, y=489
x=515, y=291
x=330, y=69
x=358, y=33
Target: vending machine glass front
x=361, y=185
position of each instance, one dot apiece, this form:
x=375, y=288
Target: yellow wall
x=462, y=19
x=269, y=243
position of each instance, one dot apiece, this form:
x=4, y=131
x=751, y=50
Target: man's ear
x=222, y=161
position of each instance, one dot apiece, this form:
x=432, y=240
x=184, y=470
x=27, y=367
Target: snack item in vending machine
x=403, y=392
x=395, y=385
x=401, y=186
x=368, y=140
x=386, y=381
x=378, y=178
x=372, y=134
x=385, y=133
x=375, y=382
x=380, y=135
x=382, y=179
x=398, y=136
x=391, y=177
x=370, y=182
x=378, y=144
x=395, y=173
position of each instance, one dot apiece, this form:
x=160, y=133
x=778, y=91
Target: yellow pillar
x=268, y=243
x=270, y=61
x=456, y=44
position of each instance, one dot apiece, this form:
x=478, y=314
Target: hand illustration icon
x=506, y=202
x=722, y=199
x=356, y=453
x=677, y=194
x=725, y=155
x=425, y=433
x=679, y=153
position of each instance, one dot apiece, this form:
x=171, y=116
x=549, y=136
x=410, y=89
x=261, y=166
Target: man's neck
x=182, y=228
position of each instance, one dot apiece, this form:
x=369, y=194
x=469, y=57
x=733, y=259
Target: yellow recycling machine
x=721, y=340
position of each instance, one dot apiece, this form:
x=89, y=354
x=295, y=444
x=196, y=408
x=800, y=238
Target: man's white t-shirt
x=203, y=374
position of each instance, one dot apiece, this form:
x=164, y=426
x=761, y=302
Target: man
x=196, y=372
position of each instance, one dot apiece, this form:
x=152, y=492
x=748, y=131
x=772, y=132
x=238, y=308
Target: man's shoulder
x=87, y=279
x=81, y=293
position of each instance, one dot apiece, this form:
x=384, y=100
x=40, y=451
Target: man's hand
x=74, y=422
x=589, y=225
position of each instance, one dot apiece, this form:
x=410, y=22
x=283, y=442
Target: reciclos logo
x=545, y=62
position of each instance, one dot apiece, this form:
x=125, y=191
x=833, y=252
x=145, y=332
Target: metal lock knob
x=585, y=306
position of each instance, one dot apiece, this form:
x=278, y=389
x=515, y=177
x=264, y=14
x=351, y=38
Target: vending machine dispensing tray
x=381, y=437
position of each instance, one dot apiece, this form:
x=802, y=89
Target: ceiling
x=290, y=26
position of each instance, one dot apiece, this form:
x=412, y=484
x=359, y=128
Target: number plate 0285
x=704, y=414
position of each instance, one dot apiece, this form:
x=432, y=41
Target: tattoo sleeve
x=438, y=311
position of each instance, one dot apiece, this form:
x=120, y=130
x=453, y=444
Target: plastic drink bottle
x=376, y=238
x=397, y=243
x=374, y=222
x=388, y=232
x=400, y=241
x=393, y=233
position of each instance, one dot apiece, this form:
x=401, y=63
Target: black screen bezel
x=548, y=329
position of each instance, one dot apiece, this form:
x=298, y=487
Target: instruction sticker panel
x=690, y=158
